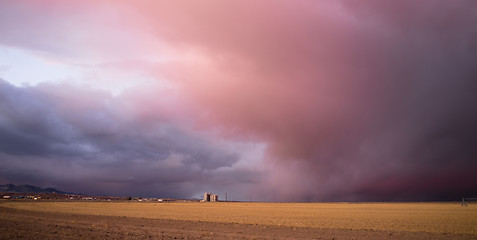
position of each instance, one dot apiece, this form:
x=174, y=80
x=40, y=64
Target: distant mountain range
x=28, y=189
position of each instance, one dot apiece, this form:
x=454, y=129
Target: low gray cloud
x=94, y=147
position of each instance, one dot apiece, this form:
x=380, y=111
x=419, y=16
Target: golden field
x=412, y=217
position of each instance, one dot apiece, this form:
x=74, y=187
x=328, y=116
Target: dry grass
x=414, y=217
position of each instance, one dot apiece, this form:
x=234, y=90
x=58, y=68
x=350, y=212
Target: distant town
x=33, y=193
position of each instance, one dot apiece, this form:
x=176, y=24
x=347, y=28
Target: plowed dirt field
x=136, y=220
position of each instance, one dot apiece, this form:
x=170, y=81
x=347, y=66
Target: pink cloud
x=336, y=91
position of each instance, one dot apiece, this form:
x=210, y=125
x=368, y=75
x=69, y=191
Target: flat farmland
x=255, y=220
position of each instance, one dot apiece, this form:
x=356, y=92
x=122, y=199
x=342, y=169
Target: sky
x=263, y=100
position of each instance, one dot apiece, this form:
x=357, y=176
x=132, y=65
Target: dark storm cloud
x=50, y=137
x=407, y=131
x=27, y=125
x=368, y=100
x=356, y=101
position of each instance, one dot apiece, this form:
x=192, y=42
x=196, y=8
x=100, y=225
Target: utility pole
x=226, y=196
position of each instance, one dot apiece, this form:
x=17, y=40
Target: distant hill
x=28, y=189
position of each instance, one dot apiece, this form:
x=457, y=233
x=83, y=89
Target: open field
x=256, y=220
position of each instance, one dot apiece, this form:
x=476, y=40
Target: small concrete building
x=209, y=197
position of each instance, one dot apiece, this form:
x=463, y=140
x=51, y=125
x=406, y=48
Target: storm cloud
x=290, y=100
x=95, y=145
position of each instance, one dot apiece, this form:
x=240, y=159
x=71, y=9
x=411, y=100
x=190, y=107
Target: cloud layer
x=290, y=101
x=88, y=140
